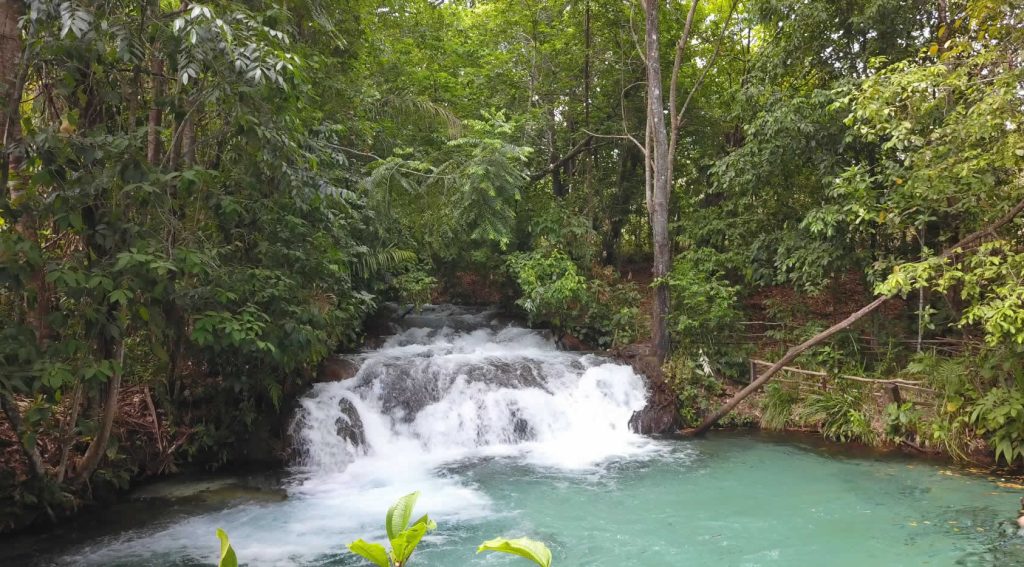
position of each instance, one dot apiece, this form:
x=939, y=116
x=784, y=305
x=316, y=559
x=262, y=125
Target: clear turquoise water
x=730, y=499
x=743, y=501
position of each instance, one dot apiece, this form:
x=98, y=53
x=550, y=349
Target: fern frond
x=375, y=262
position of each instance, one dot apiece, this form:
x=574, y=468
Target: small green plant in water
x=227, y=554
x=403, y=537
x=523, y=547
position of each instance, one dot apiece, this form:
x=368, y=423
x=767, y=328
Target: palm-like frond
x=374, y=262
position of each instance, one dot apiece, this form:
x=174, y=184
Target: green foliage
x=777, y=406
x=553, y=288
x=600, y=309
x=415, y=286
x=372, y=552
x=705, y=312
x=999, y=417
x=533, y=550
x=902, y=421
x=227, y=553
x=471, y=185
x=839, y=413
x=403, y=537
x=695, y=385
x=987, y=280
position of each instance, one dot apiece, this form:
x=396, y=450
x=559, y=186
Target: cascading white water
x=453, y=387
x=431, y=396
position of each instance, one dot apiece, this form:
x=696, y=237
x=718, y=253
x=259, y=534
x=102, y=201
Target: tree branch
x=796, y=351
x=678, y=120
x=681, y=45
x=575, y=151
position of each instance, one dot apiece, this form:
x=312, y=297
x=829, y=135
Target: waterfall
x=452, y=388
x=437, y=393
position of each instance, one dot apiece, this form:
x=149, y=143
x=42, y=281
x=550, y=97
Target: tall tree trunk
x=153, y=149
x=555, y=163
x=588, y=40
x=660, y=186
x=188, y=142
x=13, y=72
x=12, y=78
x=624, y=194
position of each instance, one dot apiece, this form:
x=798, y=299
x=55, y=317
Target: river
x=504, y=435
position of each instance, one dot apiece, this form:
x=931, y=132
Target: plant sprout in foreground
x=404, y=538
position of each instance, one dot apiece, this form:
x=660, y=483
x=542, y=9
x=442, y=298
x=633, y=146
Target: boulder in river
x=661, y=414
x=336, y=368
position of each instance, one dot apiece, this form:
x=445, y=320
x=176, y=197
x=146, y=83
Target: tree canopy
x=203, y=200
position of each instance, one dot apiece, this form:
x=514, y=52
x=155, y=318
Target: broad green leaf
x=406, y=542
x=425, y=519
x=533, y=550
x=227, y=554
x=372, y=552
x=399, y=515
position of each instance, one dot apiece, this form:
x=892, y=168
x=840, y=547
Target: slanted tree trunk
x=98, y=447
x=793, y=353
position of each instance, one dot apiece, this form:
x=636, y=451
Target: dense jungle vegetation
x=202, y=201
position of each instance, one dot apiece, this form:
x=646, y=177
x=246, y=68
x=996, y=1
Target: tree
x=660, y=147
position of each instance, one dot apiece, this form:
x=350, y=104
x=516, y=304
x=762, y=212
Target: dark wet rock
x=405, y=387
x=521, y=428
x=459, y=318
x=661, y=414
x=336, y=368
x=350, y=425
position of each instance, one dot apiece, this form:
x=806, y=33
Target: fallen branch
x=897, y=381
x=821, y=337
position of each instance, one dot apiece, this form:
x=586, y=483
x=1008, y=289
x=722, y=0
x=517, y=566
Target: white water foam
x=424, y=399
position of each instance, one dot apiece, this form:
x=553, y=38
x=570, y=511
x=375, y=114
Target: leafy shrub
x=777, y=406
x=694, y=385
x=705, y=311
x=838, y=413
x=601, y=310
x=999, y=417
x=415, y=286
x=978, y=396
x=902, y=421
x=553, y=289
